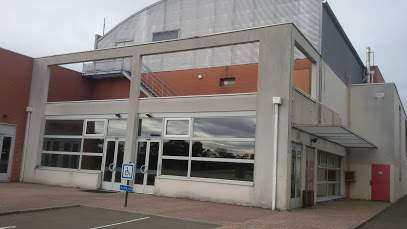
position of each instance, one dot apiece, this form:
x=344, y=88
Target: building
x=253, y=102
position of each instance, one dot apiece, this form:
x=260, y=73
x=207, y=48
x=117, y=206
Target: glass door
x=146, y=166
x=296, y=175
x=6, y=151
x=112, y=164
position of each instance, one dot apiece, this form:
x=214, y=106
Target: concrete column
x=276, y=51
x=133, y=110
x=37, y=101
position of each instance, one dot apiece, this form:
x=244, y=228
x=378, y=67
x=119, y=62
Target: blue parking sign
x=128, y=171
x=126, y=188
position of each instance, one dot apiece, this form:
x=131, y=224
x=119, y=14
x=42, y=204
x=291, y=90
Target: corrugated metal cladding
x=202, y=17
x=337, y=52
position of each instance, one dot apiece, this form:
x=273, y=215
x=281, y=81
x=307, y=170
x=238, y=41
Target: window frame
x=85, y=126
x=227, y=79
x=190, y=158
x=82, y=137
x=166, y=31
x=326, y=167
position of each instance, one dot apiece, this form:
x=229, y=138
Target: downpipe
x=277, y=101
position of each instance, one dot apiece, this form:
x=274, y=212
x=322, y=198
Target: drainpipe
x=277, y=101
x=29, y=110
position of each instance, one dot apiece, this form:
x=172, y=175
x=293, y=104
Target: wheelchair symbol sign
x=128, y=171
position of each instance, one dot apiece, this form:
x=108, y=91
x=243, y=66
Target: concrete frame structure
x=296, y=113
x=277, y=49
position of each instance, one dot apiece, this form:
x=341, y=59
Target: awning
x=337, y=134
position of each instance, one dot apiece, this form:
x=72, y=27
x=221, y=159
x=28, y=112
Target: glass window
x=230, y=127
x=322, y=174
x=150, y=127
x=166, y=35
x=178, y=148
x=91, y=162
x=117, y=128
x=60, y=161
x=302, y=75
x=223, y=149
x=321, y=190
x=62, y=144
x=174, y=167
x=64, y=127
x=95, y=127
x=93, y=145
x=329, y=174
x=222, y=170
x=177, y=128
x=227, y=82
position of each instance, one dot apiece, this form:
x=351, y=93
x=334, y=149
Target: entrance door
x=146, y=166
x=6, y=155
x=296, y=159
x=380, y=183
x=112, y=164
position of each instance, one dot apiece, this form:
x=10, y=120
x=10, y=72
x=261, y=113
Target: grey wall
x=337, y=51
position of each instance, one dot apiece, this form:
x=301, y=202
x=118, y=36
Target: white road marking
x=8, y=227
x=115, y=224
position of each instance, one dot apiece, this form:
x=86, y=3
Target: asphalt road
x=93, y=218
x=394, y=217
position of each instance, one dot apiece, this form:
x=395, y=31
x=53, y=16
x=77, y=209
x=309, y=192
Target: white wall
x=206, y=191
x=68, y=178
x=334, y=93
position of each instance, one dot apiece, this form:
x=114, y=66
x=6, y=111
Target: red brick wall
x=69, y=85
x=303, y=75
x=15, y=80
x=186, y=82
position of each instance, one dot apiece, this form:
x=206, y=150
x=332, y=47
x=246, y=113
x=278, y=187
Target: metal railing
x=151, y=83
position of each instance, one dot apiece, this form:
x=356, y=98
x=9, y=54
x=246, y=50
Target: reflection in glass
x=5, y=154
x=64, y=127
x=177, y=127
x=151, y=127
x=62, y=144
x=110, y=151
x=141, y=161
x=95, y=127
x=60, y=161
x=91, y=162
x=178, y=148
x=230, y=127
x=117, y=128
x=93, y=145
x=174, y=167
x=119, y=162
x=222, y=170
x=218, y=149
x=321, y=190
x=152, y=162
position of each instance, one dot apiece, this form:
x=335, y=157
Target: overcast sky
x=45, y=27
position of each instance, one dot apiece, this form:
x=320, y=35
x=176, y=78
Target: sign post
x=127, y=174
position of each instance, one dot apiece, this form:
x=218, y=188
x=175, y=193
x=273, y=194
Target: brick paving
x=339, y=214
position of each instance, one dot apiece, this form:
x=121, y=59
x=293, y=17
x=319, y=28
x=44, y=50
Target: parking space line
x=115, y=224
x=8, y=227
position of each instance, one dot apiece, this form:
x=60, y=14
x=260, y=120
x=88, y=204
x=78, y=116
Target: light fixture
x=149, y=115
x=118, y=115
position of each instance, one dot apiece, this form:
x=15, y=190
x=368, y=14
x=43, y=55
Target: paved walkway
x=393, y=218
x=339, y=214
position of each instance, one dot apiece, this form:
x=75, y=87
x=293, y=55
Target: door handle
x=143, y=169
x=111, y=167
